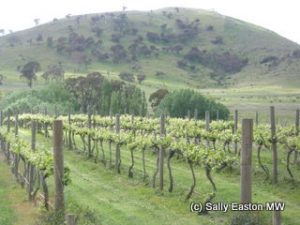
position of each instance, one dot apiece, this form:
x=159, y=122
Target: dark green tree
x=86, y=90
x=179, y=102
x=156, y=97
x=29, y=71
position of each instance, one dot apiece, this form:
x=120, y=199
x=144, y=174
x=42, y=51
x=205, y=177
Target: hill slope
x=175, y=46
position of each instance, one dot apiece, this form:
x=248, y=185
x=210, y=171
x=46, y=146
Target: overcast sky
x=281, y=16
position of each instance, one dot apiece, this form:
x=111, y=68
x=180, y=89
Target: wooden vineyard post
x=38, y=124
x=118, y=152
x=297, y=121
x=218, y=114
x=33, y=134
x=196, y=114
x=31, y=168
x=94, y=119
x=188, y=115
x=161, y=153
x=71, y=219
x=8, y=130
x=16, y=156
x=276, y=217
x=274, y=146
x=46, y=125
x=1, y=124
x=58, y=166
x=55, y=111
x=69, y=133
x=207, y=121
x=16, y=124
x=1, y=118
x=89, y=136
x=8, y=121
x=297, y=134
x=256, y=118
x=236, y=114
x=110, y=143
x=246, y=154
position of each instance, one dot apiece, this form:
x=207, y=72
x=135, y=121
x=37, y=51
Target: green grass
x=7, y=215
x=116, y=199
x=14, y=207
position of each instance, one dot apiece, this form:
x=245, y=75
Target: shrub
x=225, y=62
x=296, y=53
x=179, y=102
x=141, y=78
x=49, y=96
x=153, y=37
x=126, y=76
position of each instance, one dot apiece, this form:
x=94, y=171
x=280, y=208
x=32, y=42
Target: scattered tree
x=141, y=78
x=54, y=72
x=153, y=37
x=126, y=76
x=1, y=79
x=218, y=40
x=156, y=97
x=14, y=40
x=106, y=96
x=219, y=62
x=119, y=54
x=296, y=53
x=39, y=38
x=160, y=73
x=97, y=30
x=115, y=37
x=210, y=28
x=29, y=71
x=50, y=42
x=85, y=89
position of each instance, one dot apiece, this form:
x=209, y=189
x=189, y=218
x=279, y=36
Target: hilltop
x=172, y=46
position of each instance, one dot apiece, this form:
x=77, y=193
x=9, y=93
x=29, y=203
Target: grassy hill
x=244, y=66
x=214, y=50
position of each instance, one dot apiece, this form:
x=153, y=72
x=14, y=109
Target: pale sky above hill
x=283, y=17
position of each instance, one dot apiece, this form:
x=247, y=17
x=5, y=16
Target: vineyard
x=151, y=150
